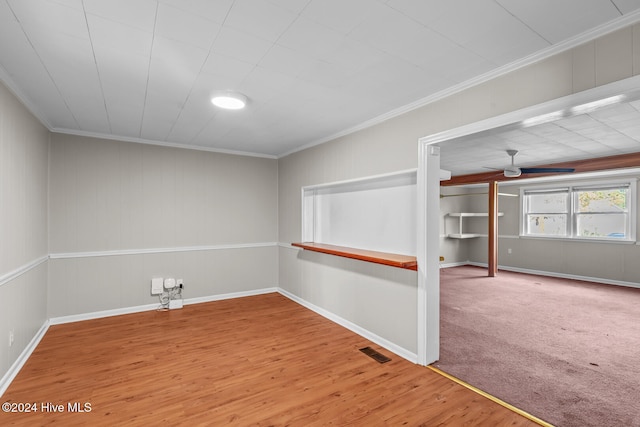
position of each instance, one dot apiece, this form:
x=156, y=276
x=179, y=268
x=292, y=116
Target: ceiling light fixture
x=229, y=100
x=592, y=106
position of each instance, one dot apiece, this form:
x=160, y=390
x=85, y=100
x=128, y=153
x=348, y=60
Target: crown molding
x=587, y=36
x=599, y=31
x=15, y=90
x=159, y=143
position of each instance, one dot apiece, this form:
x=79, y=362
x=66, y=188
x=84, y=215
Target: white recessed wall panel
x=377, y=214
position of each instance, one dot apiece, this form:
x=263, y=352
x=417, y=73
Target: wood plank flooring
x=262, y=360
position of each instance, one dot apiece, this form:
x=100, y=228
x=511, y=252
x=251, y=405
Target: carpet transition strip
x=492, y=398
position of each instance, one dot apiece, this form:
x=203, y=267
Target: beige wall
x=208, y=218
x=24, y=146
x=392, y=146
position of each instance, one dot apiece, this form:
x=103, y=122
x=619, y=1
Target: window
x=600, y=212
x=547, y=212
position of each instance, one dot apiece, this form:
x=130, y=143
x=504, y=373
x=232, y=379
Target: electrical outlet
x=11, y=338
x=180, y=283
x=441, y=258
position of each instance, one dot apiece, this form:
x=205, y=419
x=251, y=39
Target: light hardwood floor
x=262, y=360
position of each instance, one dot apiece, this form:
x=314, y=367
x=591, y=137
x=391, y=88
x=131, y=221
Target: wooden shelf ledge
x=393, y=260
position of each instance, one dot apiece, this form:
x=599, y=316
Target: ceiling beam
x=587, y=165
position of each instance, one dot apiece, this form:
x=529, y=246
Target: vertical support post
x=493, y=229
x=428, y=251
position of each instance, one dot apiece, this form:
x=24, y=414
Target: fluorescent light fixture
x=591, y=106
x=544, y=118
x=229, y=100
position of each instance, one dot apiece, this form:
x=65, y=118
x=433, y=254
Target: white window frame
x=572, y=214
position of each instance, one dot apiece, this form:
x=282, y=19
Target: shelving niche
x=460, y=216
x=370, y=219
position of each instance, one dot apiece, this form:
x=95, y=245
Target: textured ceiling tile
x=147, y=68
x=159, y=115
x=240, y=46
x=114, y=35
x=177, y=63
x=76, y=4
x=118, y=80
x=263, y=85
x=176, y=24
x=140, y=13
x=286, y=61
x=458, y=19
x=260, y=18
x=47, y=17
x=626, y=6
x=564, y=21
x=385, y=28
x=215, y=11
x=506, y=41
x=352, y=13
x=309, y=38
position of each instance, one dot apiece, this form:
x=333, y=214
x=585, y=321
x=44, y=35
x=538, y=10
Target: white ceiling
x=605, y=131
x=143, y=70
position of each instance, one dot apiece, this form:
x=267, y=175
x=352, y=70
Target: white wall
x=24, y=147
x=392, y=146
x=122, y=213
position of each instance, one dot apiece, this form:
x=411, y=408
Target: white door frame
x=428, y=199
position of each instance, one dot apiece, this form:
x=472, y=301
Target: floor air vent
x=375, y=355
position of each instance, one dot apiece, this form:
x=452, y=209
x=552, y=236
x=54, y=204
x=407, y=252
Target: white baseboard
x=402, y=352
x=149, y=307
x=453, y=264
x=24, y=356
x=560, y=275
x=100, y=314
x=6, y=380
x=232, y=295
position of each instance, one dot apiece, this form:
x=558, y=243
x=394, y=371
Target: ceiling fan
x=514, y=171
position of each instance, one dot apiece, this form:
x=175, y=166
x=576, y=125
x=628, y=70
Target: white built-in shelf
x=463, y=235
x=460, y=215
x=465, y=214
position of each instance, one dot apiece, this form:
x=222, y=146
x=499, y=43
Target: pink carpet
x=565, y=351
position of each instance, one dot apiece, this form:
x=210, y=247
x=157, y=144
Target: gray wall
x=608, y=262
x=24, y=148
x=122, y=213
x=392, y=146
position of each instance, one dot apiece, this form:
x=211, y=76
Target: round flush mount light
x=229, y=100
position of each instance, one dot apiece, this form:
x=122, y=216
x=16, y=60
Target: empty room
x=280, y=212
